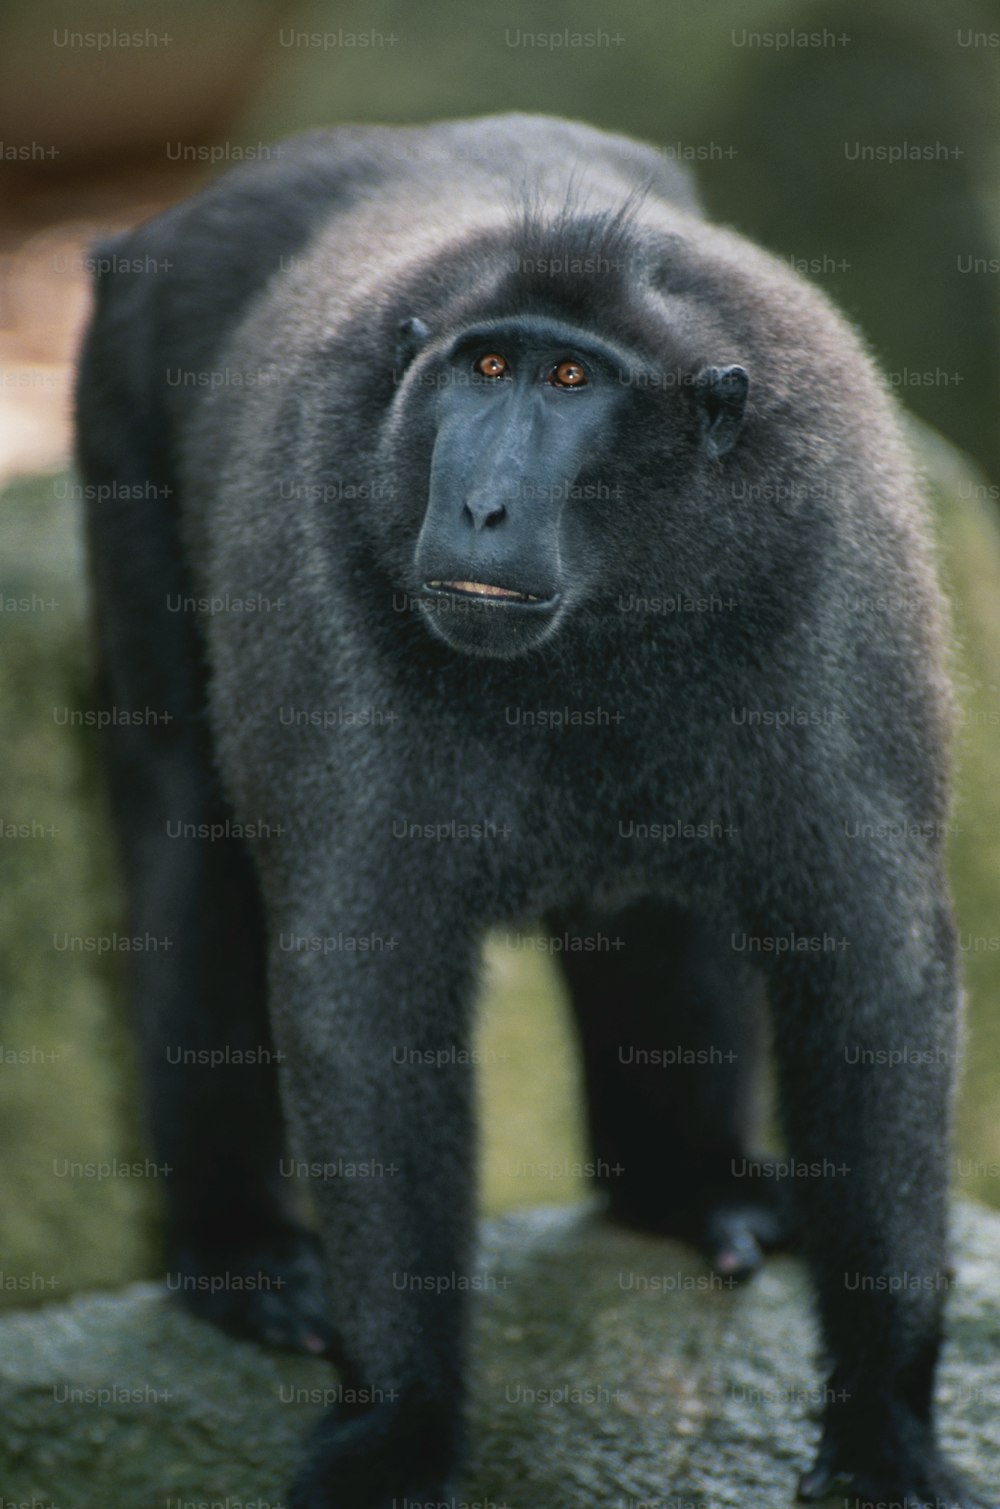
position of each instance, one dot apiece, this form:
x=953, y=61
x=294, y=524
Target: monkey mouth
x=489, y=591
x=485, y=618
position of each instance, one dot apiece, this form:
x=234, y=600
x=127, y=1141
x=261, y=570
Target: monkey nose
x=484, y=513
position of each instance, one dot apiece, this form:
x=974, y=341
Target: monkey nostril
x=485, y=515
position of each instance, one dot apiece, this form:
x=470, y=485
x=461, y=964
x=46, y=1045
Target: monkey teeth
x=486, y=589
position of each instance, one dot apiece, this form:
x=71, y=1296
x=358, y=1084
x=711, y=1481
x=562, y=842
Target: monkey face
x=532, y=422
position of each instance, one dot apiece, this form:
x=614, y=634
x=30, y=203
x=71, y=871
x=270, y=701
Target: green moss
x=66, y=1080
x=970, y=556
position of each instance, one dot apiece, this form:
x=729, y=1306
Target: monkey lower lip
x=485, y=589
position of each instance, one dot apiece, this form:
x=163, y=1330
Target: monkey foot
x=910, y=1477
x=734, y=1224
x=270, y=1289
x=736, y=1237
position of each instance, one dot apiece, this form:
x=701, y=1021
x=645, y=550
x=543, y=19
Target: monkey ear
x=411, y=336
x=721, y=395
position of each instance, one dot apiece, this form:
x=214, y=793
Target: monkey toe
x=731, y=1244
x=737, y=1233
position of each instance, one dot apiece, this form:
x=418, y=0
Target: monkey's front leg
x=866, y=1037
x=374, y=1024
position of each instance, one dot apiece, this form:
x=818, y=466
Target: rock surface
x=611, y=1370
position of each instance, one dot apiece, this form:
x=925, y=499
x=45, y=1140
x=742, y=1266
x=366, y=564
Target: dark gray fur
x=747, y=456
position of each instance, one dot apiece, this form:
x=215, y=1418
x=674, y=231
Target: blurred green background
x=858, y=140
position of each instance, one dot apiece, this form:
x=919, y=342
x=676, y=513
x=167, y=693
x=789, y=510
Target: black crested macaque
x=397, y=443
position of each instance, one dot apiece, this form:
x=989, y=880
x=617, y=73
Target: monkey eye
x=492, y=365
x=568, y=374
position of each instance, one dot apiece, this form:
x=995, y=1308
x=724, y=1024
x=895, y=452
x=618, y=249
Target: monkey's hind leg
x=671, y=1030
x=237, y=1252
